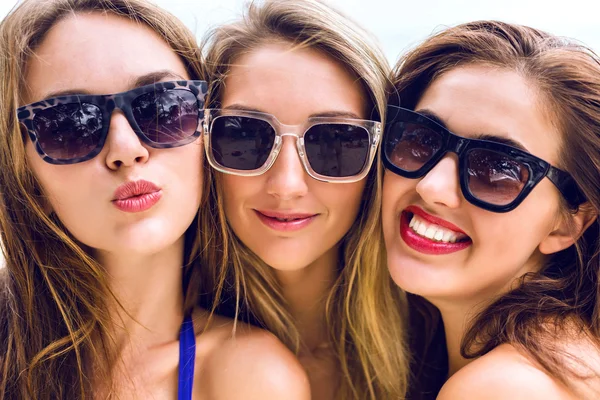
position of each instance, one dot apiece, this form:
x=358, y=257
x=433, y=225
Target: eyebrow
x=481, y=136
x=325, y=114
x=337, y=114
x=156, y=76
x=240, y=107
x=147, y=79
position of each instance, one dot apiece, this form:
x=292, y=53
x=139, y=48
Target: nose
x=123, y=147
x=441, y=186
x=287, y=178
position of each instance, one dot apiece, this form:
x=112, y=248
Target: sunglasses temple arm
x=567, y=187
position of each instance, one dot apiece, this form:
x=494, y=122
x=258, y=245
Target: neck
x=149, y=297
x=455, y=319
x=306, y=291
x=458, y=313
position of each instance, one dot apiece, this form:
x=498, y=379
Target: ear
x=569, y=229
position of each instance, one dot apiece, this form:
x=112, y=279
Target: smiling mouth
x=285, y=222
x=423, y=235
x=287, y=219
x=431, y=231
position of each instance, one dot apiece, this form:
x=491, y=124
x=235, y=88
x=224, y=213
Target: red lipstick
x=136, y=196
x=429, y=246
x=285, y=221
x=433, y=219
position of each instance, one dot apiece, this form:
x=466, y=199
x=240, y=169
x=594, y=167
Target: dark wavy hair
x=561, y=298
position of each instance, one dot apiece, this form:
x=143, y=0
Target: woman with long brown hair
x=101, y=181
x=297, y=96
x=490, y=211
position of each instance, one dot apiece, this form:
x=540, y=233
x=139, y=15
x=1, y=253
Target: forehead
x=477, y=99
x=97, y=53
x=292, y=83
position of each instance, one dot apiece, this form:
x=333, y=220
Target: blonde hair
x=364, y=308
x=53, y=295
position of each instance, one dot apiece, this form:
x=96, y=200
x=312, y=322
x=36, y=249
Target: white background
x=401, y=24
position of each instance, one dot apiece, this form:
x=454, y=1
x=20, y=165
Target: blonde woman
x=102, y=179
x=297, y=92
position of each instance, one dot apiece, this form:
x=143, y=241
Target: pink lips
x=285, y=221
x=136, y=196
x=425, y=245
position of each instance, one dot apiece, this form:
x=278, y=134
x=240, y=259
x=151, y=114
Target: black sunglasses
x=331, y=149
x=72, y=129
x=494, y=176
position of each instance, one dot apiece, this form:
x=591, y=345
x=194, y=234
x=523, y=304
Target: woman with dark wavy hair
x=101, y=179
x=490, y=205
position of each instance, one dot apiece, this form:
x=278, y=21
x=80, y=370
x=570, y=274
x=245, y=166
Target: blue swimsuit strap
x=187, y=358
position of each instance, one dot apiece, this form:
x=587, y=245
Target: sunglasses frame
x=107, y=104
x=373, y=129
x=461, y=146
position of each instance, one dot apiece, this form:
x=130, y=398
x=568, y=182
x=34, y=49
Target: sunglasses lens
x=241, y=143
x=337, y=150
x=495, y=178
x=166, y=117
x=409, y=146
x=68, y=131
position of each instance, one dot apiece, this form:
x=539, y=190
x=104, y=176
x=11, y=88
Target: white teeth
x=447, y=236
x=432, y=231
x=416, y=224
x=412, y=222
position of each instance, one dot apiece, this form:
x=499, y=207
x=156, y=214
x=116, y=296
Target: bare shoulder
x=503, y=373
x=250, y=364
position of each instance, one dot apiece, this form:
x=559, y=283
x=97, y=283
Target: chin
x=144, y=246
x=285, y=262
x=147, y=238
x=422, y=279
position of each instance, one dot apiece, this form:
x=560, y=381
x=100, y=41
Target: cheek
x=512, y=239
x=61, y=185
x=188, y=165
x=342, y=200
x=238, y=192
x=395, y=189
x=70, y=193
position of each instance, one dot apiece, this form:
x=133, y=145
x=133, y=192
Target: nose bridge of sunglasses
x=279, y=143
x=453, y=150
x=456, y=144
x=119, y=119
x=293, y=131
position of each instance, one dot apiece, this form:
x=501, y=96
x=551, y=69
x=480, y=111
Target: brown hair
x=53, y=295
x=364, y=308
x=564, y=294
